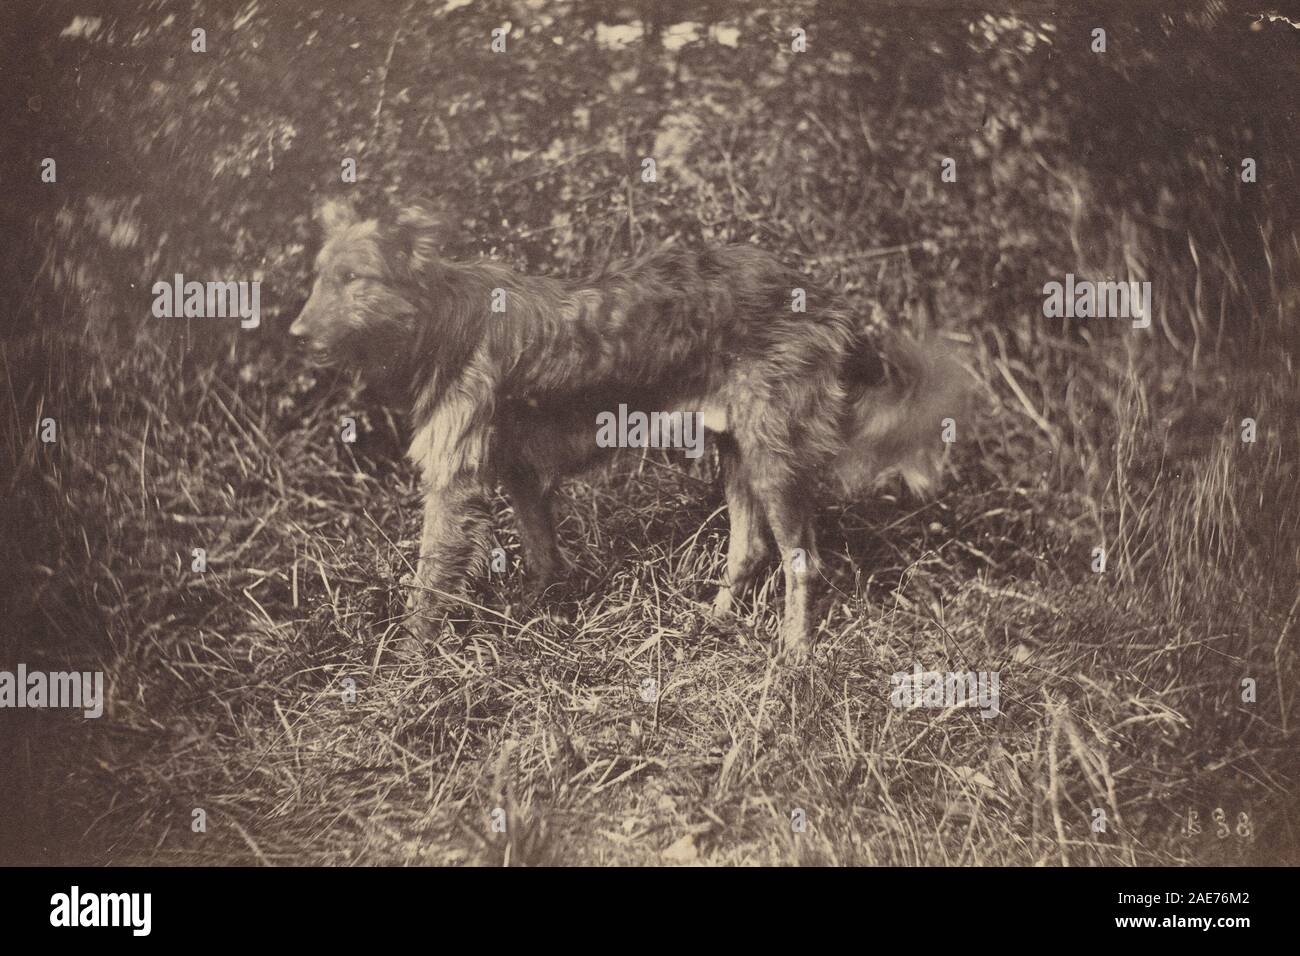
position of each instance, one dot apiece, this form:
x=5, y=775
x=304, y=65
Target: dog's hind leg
x=790, y=516
x=747, y=546
x=532, y=503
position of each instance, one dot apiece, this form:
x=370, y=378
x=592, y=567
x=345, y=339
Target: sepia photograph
x=650, y=434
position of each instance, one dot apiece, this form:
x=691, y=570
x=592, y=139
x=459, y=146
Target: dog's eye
x=350, y=277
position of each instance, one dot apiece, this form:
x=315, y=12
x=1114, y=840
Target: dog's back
x=717, y=331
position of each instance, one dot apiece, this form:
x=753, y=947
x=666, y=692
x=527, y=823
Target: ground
x=275, y=694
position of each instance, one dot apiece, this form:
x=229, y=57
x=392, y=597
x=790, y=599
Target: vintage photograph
x=648, y=433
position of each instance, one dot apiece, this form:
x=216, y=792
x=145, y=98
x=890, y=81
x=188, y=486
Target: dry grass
x=1120, y=691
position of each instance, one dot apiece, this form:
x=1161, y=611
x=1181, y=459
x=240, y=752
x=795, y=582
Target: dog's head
x=363, y=303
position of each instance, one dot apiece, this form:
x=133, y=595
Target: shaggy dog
x=505, y=378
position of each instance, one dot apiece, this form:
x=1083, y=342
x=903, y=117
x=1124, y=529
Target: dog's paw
x=796, y=647
x=425, y=620
x=721, y=605
x=794, y=655
x=423, y=599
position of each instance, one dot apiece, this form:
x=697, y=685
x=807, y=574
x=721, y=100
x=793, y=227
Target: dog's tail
x=900, y=394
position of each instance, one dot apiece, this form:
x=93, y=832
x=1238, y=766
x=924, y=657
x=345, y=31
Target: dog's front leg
x=453, y=545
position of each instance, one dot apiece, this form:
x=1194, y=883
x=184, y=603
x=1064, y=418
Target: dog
x=504, y=378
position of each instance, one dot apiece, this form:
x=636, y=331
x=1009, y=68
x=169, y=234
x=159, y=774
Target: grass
x=229, y=689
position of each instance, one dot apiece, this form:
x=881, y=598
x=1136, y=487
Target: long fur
x=798, y=400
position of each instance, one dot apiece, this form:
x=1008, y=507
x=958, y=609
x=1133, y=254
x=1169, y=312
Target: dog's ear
x=335, y=215
x=423, y=214
x=422, y=226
